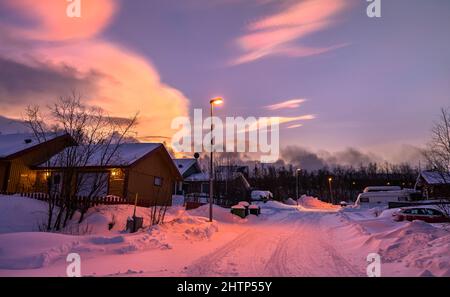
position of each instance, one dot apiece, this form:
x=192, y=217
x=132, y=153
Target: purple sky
x=383, y=88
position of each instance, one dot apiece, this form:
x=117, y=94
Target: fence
x=78, y=201
x=194, y=200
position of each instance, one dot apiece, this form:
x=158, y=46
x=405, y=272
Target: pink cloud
x=278, y=33
x=54, y=24
x=289, y=104
x=294, y=126
x=284, y=120
x=125, y=82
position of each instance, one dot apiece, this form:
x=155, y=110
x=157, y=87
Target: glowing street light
x=216, y=101
x=330, y=180
x=212, y=102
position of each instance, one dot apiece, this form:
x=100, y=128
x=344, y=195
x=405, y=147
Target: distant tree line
x=346, y=182
x=281, y=179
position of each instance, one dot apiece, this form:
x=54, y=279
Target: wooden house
x=19, y=152
x=194, y=179
x=433, y=184
x=142, y=170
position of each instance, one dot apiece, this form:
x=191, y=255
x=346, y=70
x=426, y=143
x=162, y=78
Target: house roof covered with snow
x=435, y=178
x=184, y=164
x=12, y=144
x=104, y=155
x=202, y=176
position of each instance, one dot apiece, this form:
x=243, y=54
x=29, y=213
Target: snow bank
x=34, y=249
x=99, y=219
x=191, y=227
x=276, y=205
x=315, y=203
x=20, y=214
x=101, y=233
x=417, y=244
x=220, y=214
x=406, y=248
x=244, y=203
x=290, y=201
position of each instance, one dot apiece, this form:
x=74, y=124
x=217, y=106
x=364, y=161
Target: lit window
x=116, y=174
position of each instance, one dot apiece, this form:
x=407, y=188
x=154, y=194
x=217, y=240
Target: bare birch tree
x=97, y=138
x=438, y=152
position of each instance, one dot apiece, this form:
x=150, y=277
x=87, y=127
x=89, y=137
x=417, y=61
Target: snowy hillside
x=311, y=239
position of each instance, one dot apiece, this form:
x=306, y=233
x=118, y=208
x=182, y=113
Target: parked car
x=429, y=215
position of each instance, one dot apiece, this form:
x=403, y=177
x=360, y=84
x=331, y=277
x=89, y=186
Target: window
x=422, y=211
x=117, y=174
x=414, y=211
x=158, y=181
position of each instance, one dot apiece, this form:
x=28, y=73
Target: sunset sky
x=372, y=84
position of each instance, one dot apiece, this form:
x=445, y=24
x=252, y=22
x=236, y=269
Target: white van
x=381, y=188
x=385, y=196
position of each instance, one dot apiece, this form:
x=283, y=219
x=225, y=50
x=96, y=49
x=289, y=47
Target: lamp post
x=296, y=184
x=330, y=179
x=212, y=102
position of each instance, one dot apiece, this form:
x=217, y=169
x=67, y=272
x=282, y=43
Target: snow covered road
x=301, y=248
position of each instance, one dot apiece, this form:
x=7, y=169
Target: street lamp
x=330, y=179
x=212, y=102
x=296, y=183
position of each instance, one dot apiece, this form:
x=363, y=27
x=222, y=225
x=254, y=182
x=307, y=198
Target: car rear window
x=433, y=212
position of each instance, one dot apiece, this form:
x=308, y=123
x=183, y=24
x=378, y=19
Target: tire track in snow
x=209, y=265
x=294, y=245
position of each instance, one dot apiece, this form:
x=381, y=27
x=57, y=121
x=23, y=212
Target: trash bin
x=246, y=205
x=134, y=223
x=239, y=210
x=254, y=209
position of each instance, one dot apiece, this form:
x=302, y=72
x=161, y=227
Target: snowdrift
x=314, y=203
x=19, y=214
x=23, y=248
x=411, y=248
x=290, y=201
x=220, y=214
x=417, y=244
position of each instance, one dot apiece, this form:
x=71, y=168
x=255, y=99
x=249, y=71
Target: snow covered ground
x=311, y=239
